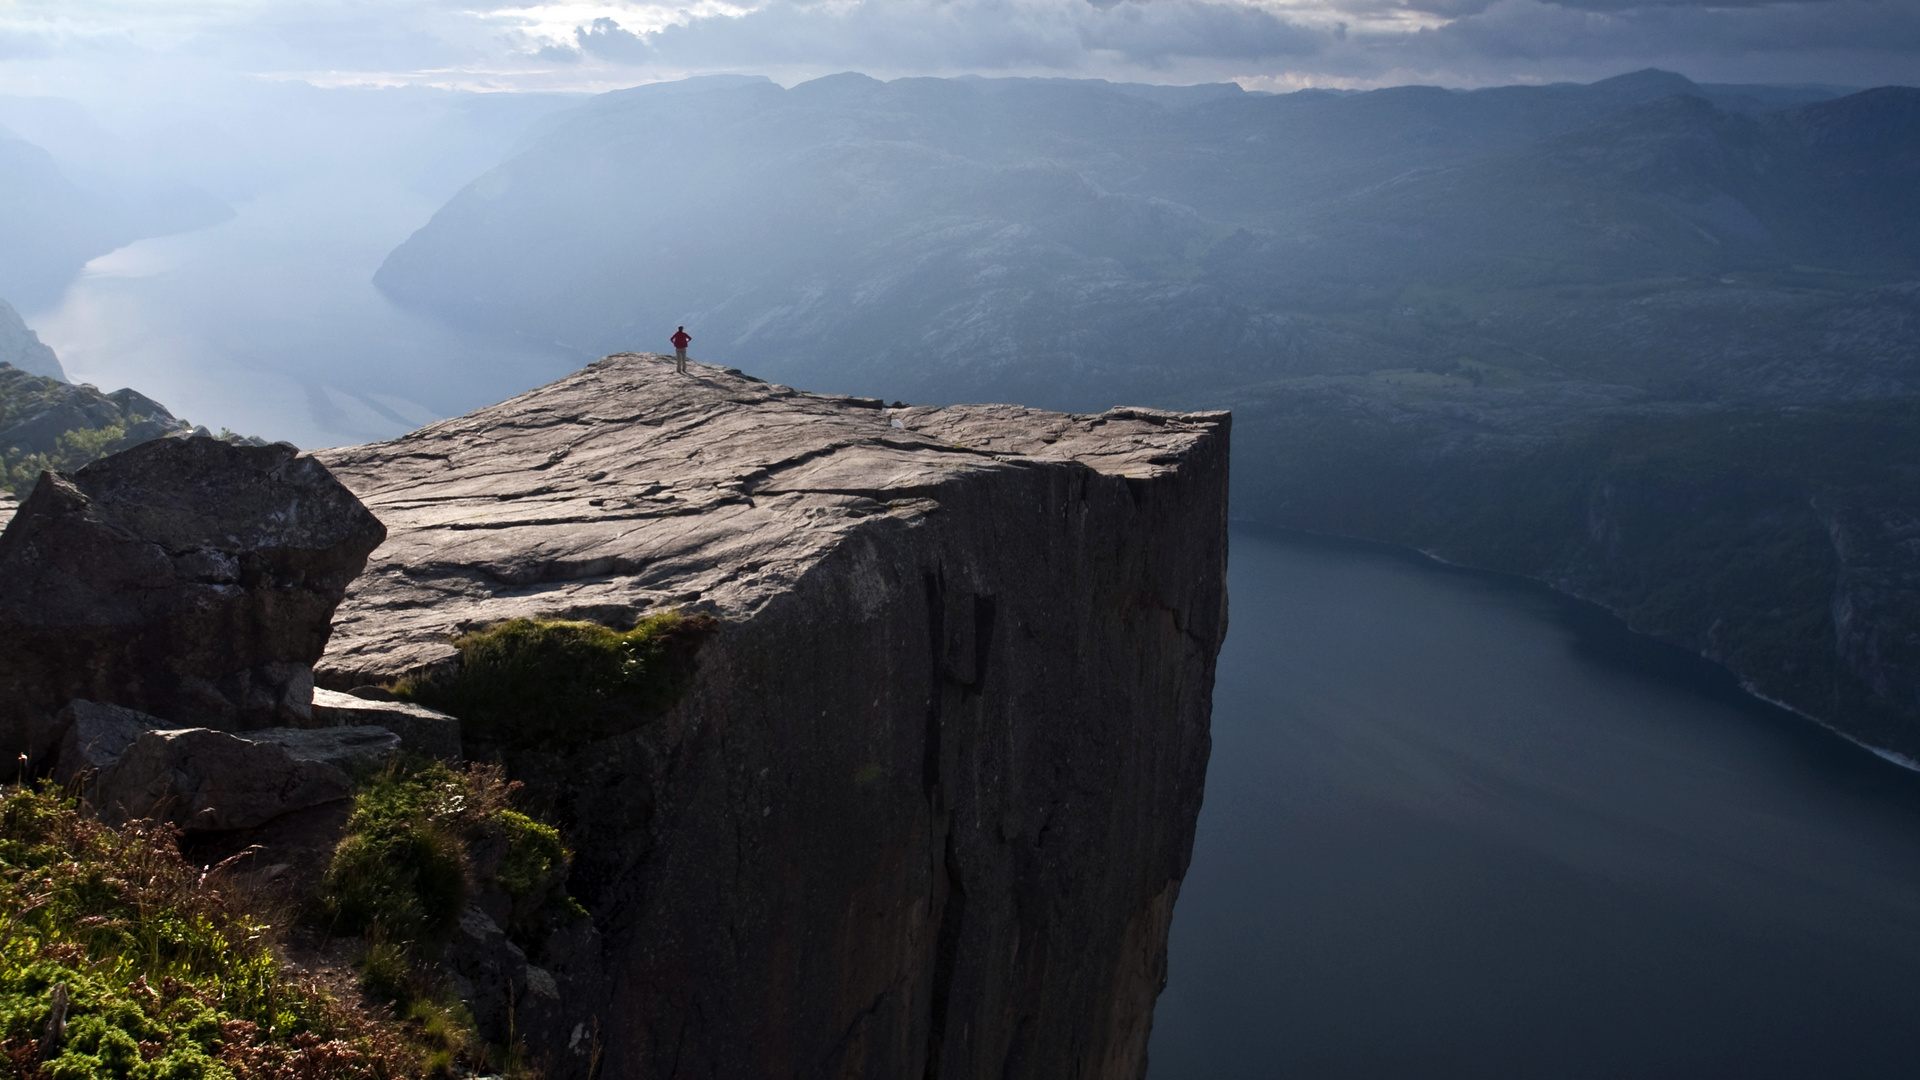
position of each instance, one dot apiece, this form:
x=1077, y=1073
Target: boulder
x=186, y=577
x=95, y=736
x=421, y=730
x=205, y=780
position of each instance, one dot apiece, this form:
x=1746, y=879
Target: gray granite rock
x=421, y=730
x=928, y=803
x=187, y=578
x=356, y=749
x=95, y=736
x=205, y=780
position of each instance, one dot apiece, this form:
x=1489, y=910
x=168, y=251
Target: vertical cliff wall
x=926, y=808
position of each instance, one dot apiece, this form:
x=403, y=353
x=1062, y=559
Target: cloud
x=609, y=40
x=15, y=45
x=599, y=44
x=1629, y=5
x=1841, y=41
x=1152, y=33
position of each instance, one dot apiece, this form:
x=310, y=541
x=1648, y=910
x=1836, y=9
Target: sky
x=101, y=48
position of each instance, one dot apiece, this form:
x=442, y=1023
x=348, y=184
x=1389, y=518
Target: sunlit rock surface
x=927, y=805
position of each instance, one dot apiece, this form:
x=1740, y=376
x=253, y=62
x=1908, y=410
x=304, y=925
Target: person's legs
x=680, y=360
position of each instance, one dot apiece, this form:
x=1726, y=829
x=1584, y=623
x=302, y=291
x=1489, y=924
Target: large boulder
x=187, y=578
x=93, y=737
x=130, y=765
x=205, y=780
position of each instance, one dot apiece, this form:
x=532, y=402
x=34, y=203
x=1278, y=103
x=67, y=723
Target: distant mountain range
x=1066, y=241
x=1650, y=340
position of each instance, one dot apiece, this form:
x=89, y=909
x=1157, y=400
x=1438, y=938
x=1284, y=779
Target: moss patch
x=541, y=683
x=164, y=976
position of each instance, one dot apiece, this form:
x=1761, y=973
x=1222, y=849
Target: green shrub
x=404, y=869
x=165, y=977
x=527, y=682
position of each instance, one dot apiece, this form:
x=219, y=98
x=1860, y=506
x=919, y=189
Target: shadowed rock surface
x=129, y=765
x=927, y=804
x=187, y=578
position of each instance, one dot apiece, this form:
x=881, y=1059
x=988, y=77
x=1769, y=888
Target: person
x=681, y=339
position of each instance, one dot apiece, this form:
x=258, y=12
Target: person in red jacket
x=681, y=339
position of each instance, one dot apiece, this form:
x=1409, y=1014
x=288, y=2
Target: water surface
x=1457, y=826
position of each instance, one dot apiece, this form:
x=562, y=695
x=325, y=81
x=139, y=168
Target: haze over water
x=1457, y=826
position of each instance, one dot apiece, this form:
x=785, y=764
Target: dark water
x=1456, y=826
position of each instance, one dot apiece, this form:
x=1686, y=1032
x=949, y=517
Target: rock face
x=187, y=578
x=927, y=806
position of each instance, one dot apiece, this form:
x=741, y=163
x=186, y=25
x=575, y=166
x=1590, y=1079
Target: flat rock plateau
x=926, y=807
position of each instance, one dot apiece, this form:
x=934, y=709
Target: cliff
x=925, y=808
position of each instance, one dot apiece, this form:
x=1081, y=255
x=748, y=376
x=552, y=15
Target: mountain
x=23, y=349
x=47, y=423
x=51, y=228
x=1036, y=236
x=1536, y=329
x=55, y=223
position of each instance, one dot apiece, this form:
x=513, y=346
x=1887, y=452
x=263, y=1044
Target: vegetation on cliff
x=119, y=959
x=423, y=840
x=46, y=424
x=543, y=683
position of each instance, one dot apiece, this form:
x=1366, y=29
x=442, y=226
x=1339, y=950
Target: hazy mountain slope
x=23, y=349
x=1652, y=341
x=50, y=228
x=59, y=215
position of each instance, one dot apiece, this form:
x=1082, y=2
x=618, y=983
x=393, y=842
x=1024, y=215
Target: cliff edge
x=925, y=809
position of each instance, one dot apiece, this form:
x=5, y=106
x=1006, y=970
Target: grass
x=163, y=973
x=541, y=683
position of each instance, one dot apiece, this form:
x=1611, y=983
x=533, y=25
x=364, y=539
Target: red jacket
x=680, y=339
